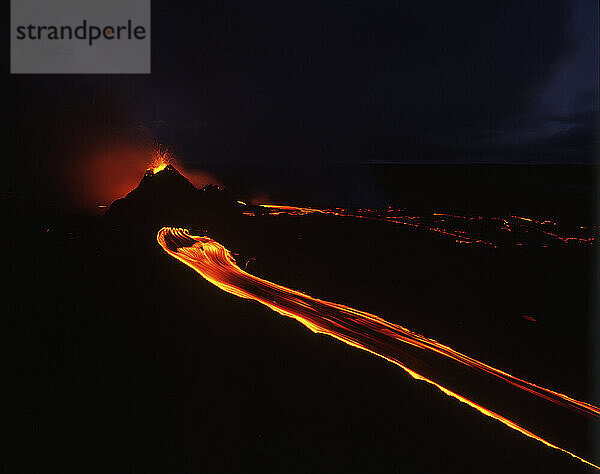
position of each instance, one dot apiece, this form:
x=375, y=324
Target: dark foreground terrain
x=121, y=359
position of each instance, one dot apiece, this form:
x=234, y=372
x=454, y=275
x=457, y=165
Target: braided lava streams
x=409, y=350
x=479, y=230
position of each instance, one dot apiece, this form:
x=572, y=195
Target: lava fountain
x=160, y=160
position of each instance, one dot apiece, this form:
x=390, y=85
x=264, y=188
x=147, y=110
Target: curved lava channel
x=356, y=328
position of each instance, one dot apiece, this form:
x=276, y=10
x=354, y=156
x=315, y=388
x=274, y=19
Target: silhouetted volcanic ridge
x=167, y=196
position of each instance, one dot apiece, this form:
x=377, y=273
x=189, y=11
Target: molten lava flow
x=487, y=231
x=362, y=330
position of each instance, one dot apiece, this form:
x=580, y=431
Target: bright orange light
x=356, y=328
x=161, y=158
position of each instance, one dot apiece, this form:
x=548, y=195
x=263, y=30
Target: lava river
x=491, y=391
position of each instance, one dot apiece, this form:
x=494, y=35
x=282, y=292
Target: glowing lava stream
x=448, y=225
x=356, y=328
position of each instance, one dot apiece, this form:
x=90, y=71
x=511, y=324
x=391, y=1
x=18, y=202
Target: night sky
x=398, y=81
x=339, y=82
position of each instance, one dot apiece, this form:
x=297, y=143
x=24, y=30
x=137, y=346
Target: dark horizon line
x=393, y=162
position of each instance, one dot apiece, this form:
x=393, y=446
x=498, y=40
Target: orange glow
x=100, y=176
x=356, y=328
x=108, y=172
